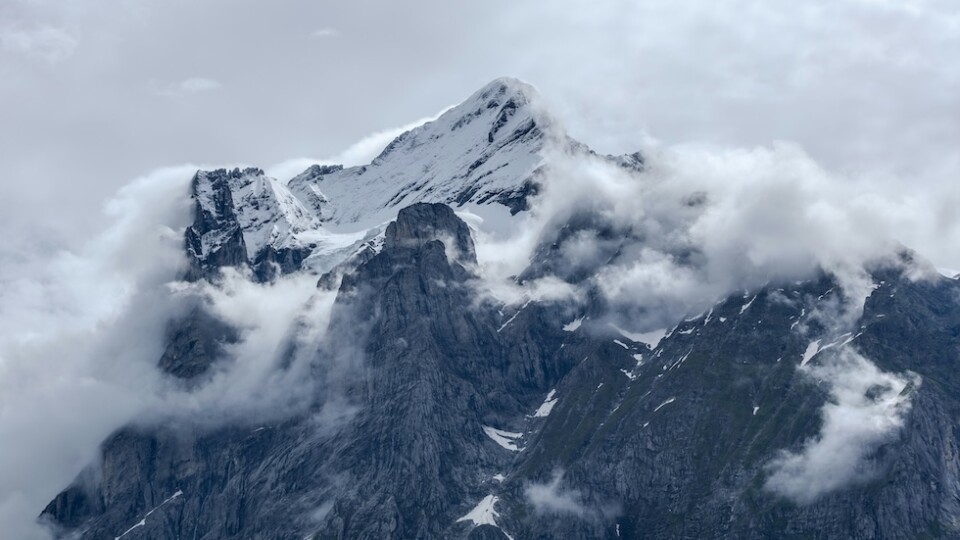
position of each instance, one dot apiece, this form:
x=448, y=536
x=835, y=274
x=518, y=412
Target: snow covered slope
x=485, y=150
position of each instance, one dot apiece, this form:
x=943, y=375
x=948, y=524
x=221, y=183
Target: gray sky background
x=93, y=94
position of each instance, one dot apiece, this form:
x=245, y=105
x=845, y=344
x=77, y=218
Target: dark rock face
x=220, y=220
x=440, y=372
x=421, y=223
x=215, y=240
x=271, y=262
x=194, y=342
x=433, y=367
x=677, y=447
x=681, y=452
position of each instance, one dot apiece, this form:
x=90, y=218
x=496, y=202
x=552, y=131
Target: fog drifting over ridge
x=701, y=223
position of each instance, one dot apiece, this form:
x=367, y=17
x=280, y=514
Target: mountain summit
x=487, y=150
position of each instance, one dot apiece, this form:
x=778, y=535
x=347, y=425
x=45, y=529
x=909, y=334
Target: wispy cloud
x=48, y=43
x=324, y=33
x=186, y=87
x=551, y=498
x=866, y=407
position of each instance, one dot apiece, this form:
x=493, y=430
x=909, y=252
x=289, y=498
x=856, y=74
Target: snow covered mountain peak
x=484, y=115
x=487, y=150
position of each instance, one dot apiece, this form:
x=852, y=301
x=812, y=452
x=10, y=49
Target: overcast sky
x=93, y=94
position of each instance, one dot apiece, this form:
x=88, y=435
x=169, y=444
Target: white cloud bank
x=700, y=223
x=866, y=408
x=551, y=498
x=80, y=339
x=267, y=373
x=718, y=221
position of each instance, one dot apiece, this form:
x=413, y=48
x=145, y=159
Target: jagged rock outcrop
x=247, y=219
x=215, y=239
x=432, y=368
x=194, y=343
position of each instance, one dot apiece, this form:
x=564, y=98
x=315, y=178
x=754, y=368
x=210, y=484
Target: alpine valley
x=419, y=393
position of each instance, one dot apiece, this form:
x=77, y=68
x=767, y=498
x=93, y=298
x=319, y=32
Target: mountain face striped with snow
x=437, y=411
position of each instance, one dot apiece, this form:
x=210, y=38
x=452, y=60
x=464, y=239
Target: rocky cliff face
x=682, y=446
x=434, y=383
x=438, y=411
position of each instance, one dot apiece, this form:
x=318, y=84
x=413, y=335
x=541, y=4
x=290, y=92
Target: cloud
x=698, y=224
x=268, y=373
x=186, y=87
x=80, y=343
x=324, y=33
x=550, y=498
x=866, y=407
x=48, y=43
x=545, y=290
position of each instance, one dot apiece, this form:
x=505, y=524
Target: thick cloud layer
x=268, y=371
x=699, y=224
x=81, y=339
